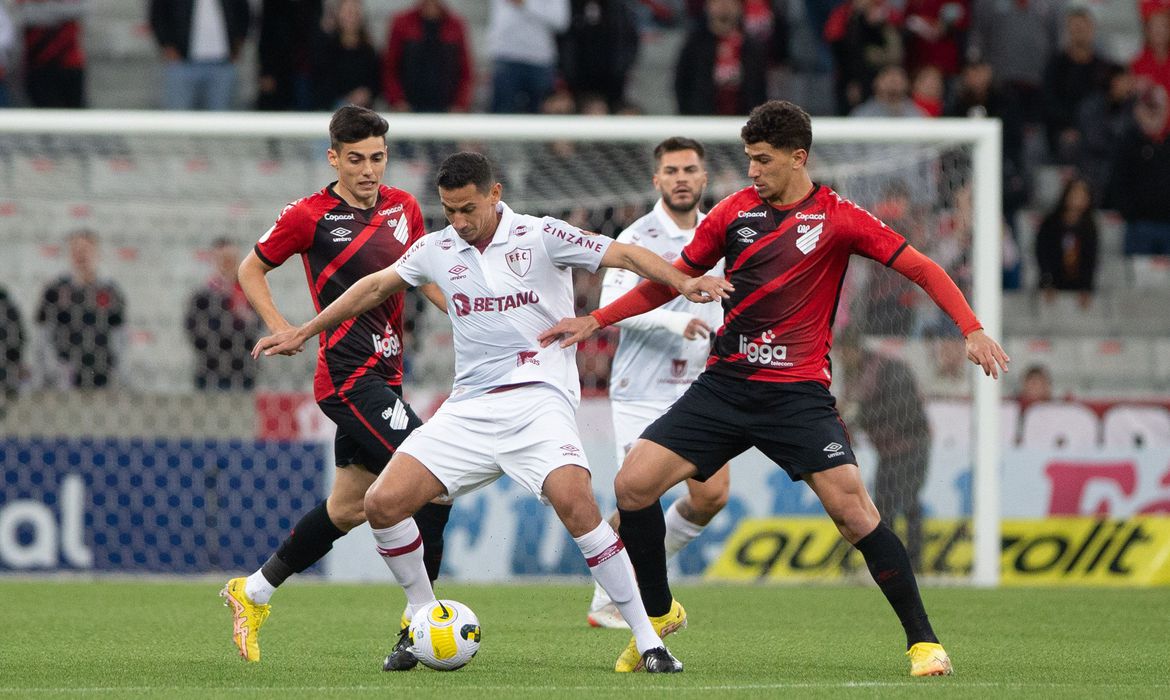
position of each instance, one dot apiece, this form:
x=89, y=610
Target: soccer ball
x=445, y=635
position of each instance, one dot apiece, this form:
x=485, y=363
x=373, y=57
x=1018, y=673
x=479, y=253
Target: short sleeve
x=291, y=234
x=709, y=244
x=414, y=265
x=867, y=234
x=569, y=246
x=415, y=219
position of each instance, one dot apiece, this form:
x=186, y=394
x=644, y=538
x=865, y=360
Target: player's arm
x=617, y=282
x=926, y=273
x=365, y=294
x=254, y=281
x=645, y=263
x=431, y=291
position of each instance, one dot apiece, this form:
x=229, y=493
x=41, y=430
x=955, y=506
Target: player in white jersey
x=660, y=353
x=506, y=277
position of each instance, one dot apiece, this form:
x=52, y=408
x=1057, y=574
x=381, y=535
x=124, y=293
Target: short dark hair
x=780, y=124
x=351, y=124
x=466, y=168
x=675, y=144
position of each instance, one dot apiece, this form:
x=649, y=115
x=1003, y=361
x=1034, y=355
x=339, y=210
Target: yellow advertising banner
x=1053, y=551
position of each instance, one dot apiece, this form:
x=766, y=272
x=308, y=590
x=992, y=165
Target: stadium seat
x=1058, y=425
x=1059, y=355
x=1117, y=363
x=1129, y=427
x=1162, y=362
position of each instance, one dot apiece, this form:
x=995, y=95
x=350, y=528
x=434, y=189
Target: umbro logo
x=809, y=240
x=571, y=450
x=747, y=234
x=458, y=272
x=340, y=234
x=835, y=449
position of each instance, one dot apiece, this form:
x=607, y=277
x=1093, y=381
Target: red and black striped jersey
x=339, y=244
x=787, y=266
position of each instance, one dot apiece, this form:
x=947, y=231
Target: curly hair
x=780, y=124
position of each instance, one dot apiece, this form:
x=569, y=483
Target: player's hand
x=706, y=288
x=569, y=331
x=288, y=342
x=696, y=328
x=987, y=353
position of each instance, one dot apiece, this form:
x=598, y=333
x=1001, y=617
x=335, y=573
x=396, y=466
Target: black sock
x=644, y=533
x=311, y=538
x=889, y=564
x=431, y=520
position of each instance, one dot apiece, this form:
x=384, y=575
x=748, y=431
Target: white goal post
x=981, y=136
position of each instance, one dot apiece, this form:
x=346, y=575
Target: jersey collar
x=668, y=224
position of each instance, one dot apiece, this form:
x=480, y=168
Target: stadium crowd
x=1089, y=117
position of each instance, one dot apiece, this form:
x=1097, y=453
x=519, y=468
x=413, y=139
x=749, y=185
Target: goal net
x=134, y=436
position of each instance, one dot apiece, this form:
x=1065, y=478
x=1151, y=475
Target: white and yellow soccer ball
x=445, y=635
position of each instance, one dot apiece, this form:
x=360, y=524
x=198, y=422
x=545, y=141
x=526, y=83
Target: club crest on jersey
x=810, y=236
x=678, y=368
x=519, y=260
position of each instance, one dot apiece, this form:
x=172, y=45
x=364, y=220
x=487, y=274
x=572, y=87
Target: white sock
x=610, y=565
x=679, y=530
x=258, y=589
x=402, y=549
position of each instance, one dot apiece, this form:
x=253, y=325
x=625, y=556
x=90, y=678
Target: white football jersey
x=501, y=299
x=654, y=361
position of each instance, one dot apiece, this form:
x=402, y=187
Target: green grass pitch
x=171, y=640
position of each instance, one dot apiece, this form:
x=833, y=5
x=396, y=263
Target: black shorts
x=372, y=421
x=795, y=424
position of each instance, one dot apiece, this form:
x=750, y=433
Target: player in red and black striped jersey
x=352, y=228
x=786, y=243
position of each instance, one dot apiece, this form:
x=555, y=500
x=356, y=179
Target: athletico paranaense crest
x=519, y=260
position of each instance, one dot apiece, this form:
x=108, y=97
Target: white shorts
x=630, y=418
x=525, y=433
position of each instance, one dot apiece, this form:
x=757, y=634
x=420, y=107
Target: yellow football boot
x=246, y=618
x=674, y=620
x=929, y=659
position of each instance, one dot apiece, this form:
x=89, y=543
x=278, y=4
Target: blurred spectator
x=890, y=299
x=7, y=43
x=1015, y=37
x=599, y=49
x=427, y=63
x=766, y=21
x=81, y=313
x=345, y=66
x=1066, y=244
x=222, y=326
x=54, y=62
x=1103, y=120
x=979, y=95
x=289, y=30
x=1072, y=75
x=816, y=16
x=521, y=40
x=720, y=70
x=936, y=33
x=1035, y=386
x=1152, y=65
x=11, y=350
x=929, y=91
x=883, y=400
x=1140, y=175
x=865, y=37
x=201, y=41
x=891, y=96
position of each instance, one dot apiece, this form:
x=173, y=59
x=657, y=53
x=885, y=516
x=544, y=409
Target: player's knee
x=347, y=516
x=632, y=492
x=382, y=509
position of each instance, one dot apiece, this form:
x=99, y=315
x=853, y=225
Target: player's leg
x=310, y=539
x=569, y=490
x=842, y=493
x=687, y=516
